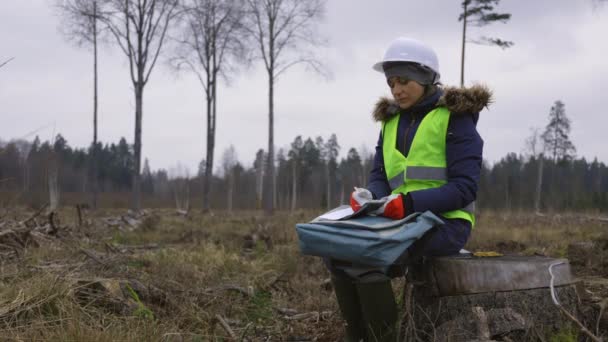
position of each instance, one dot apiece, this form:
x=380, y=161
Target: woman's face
x=405, y=91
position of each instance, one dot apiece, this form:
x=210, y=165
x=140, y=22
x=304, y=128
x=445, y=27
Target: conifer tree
x=556, y=136
x=480, y=13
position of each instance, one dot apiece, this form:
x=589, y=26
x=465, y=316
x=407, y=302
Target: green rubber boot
x=379, y=308
x=346, y=294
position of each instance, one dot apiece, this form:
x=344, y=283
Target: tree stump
x=465, y=298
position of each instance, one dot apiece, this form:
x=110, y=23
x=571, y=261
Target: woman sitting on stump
x=428, y=157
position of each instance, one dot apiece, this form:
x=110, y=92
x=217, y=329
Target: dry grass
x=173, y=276
x=528, y=233
x=182, y=272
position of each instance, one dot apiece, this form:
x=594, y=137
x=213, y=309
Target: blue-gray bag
x=361, y=239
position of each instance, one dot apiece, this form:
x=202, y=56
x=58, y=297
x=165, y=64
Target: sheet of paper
x=337, y=214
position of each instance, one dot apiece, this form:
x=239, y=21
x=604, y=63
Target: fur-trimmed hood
x=457, y=100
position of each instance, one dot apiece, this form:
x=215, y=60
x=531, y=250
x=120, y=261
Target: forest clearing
x=460, y=142
x=172, y=276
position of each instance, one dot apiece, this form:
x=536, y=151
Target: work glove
x=393, y=207
x=359, y=197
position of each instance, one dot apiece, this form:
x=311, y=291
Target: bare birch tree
x=284, y=32
x=295, y=156
x=140, y=28
x=80, y=19
x=229, y=161
x=258, y=166
x=212, y=39
x=180, y=179
x=53, y=183
x=534, y=147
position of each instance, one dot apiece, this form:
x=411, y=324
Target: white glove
x=392, y=207
x=359, y=197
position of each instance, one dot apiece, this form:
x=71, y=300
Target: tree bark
x=271, y=73
x=211, y=141
x=464, y=35
x=53, y=176
x=274, y=190
x=139, y=94
x=270, y=185
x=539, y=183
x=94, y=151
x=209, y=157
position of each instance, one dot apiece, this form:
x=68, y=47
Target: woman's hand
x=359, y=197
x=394, y=207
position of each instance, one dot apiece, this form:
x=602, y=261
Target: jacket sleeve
x=464, y=149
x=378, y=184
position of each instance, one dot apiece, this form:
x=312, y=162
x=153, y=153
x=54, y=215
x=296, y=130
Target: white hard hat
x=410, y=50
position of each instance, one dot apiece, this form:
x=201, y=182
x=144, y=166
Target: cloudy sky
x=559, y=53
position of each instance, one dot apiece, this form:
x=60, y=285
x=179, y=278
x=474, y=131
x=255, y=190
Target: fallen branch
x=308, y=315
x=244, y=333
x=110, y=248
x=118, y=248
x=287, y=311
x=36, y=214
x=563, y=310
x=247, y=292
x=301, y=316
x=225, y=325
x=92, y=256
x=11, y=247
x=597, y=218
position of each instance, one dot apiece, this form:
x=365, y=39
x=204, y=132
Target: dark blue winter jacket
x=464, y=157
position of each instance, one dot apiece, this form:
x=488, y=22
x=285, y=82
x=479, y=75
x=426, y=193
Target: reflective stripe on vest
x=425, y=166
x=419, y=172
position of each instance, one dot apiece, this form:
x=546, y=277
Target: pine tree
x=555, y=138
x=480, y=13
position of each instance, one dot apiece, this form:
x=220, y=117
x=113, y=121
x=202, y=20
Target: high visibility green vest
x=425, y=166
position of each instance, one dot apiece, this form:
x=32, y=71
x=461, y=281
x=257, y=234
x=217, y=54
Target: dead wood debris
x=247, y=292
x=482, y=325
x=17, y=236
x=144, y=219
x=33, y=216
x=94, y=257
x=226, y=326
x=316, y=315
x=23, y=303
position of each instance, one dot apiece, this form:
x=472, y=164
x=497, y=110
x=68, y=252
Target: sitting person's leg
x=366, y=301
x=447, y=239
x=348, y=301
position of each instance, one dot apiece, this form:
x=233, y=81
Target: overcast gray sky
x=559, y=53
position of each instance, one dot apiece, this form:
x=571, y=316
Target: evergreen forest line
x=309, y=175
